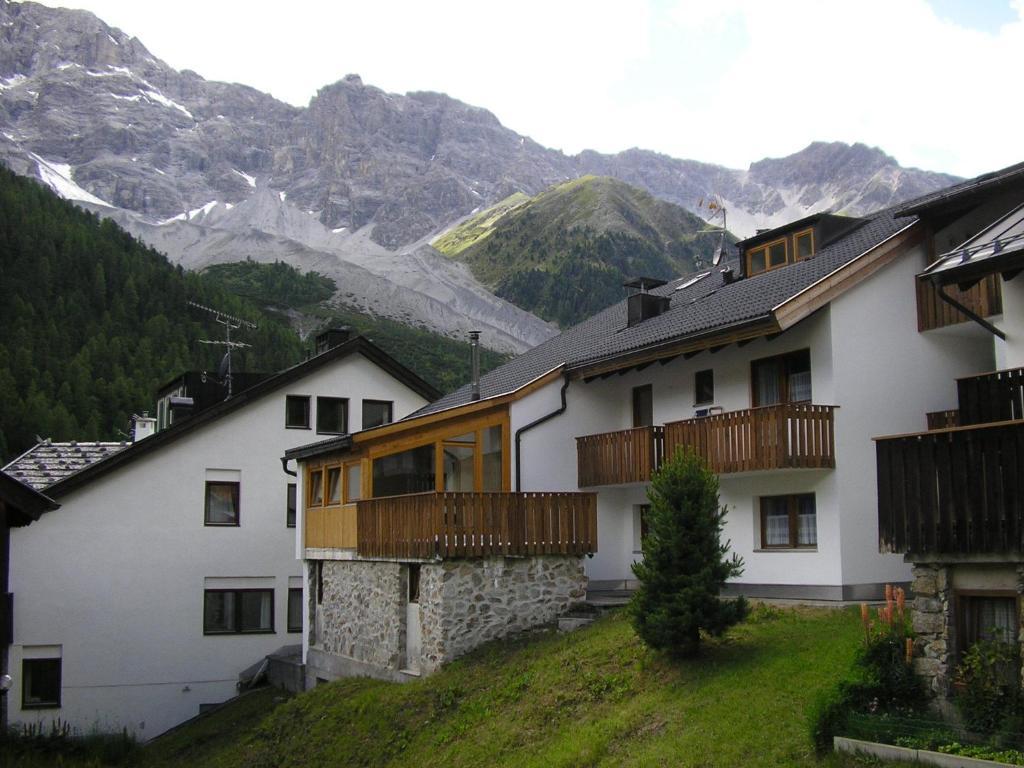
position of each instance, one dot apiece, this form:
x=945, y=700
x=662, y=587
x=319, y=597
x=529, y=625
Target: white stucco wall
x=116, y=576
x=888, y=376
x=1010, y=353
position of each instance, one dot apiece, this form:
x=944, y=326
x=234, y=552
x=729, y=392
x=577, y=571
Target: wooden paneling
x=984, y=299
x=452, y=525
x=991, y=397
x=613, y=458
x=792, y=435
x=331, y=527
x=954, y=491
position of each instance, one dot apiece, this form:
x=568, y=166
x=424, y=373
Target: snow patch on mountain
x=60, y=178
x=249, y=179
x=169, y=103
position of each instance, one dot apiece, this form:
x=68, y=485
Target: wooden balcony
x=331, y=527
x=788, y=436
x=991, y=397
x=984, y=299
x=956, y=491
x=457, y=524
x=615, y=458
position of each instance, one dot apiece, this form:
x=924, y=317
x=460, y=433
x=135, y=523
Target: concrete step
x=572, y=623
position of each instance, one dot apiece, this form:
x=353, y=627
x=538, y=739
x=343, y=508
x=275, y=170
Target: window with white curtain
x=781, y=379
x=789, y=522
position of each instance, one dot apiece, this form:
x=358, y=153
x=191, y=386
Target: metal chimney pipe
x=474, y=348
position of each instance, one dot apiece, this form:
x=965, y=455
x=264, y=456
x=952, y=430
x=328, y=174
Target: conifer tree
x=685, y=562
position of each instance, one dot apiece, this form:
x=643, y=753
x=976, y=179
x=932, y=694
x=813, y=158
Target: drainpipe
x=531, y=425
x=284, y=466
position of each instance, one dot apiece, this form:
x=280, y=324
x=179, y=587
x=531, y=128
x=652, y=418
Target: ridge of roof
x=950, y=194
x=355, y=345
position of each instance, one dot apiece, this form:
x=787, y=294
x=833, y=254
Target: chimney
x=474, y=349
x=331, y=338
x=142, y=426
x=642, y=305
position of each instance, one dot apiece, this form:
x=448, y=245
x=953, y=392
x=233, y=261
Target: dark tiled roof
x=21, y=503
x=323, y=446
x=47, y=462
x=707, y=307
x=952, y=195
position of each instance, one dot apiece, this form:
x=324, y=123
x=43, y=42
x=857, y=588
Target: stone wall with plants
x=464, y=603
x=933, y=626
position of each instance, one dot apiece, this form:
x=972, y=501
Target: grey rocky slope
x=356, y=183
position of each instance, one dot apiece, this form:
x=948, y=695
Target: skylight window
x=693, y=281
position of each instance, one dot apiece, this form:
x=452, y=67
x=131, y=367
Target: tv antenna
x=714, y=207
x=230, y=323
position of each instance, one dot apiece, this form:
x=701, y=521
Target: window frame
x=289, y=627
x=391, y=412
x=237, y=503
x=766, y=247
x=25, y=676
x=809, y=232
x=287, y=414
x=963, y=596
x=238, y=612
x=709, y=373
x=793, y=510
x=786, y=359
x=319, y=475
x=291, y=502
x=323, y=400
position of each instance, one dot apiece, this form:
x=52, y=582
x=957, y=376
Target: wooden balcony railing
x=331, y=527
x=991, y=397
x=943, y=419
x=459, y=524
x=792, y=435
x=952, y=491
x=614, y=458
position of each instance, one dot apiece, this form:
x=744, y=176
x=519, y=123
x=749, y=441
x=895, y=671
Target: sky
x=934, y=83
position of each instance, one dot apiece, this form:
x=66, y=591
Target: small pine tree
x=685, y=563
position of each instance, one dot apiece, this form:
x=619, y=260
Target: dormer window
x=803, y=244
x=768, y=256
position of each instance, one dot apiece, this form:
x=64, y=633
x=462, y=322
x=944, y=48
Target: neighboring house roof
x=705, y=309
x=957, y=195
x=997, y=248
x=339, y=443
x=49, y=462
x=22, y=503
x=358, y=345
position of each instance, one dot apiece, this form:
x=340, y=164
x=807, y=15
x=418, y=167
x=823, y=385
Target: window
x=781, y=379
x=804, y=244
x=704, y=387
x=414, y=583
x=238, y=611
x=334, y=485
x=986, y=617
x=768, y=256
x=316, y=488
x=411, y=471
x=376, y=412
x=353, y=478
x=331, y=415
x=221, y=502
x=788, y=522
x=40, y=683
x=458, y=455
x=296, y=411
x=290, y=508
x=492, y=468
x=295, y=609
x=643, y=406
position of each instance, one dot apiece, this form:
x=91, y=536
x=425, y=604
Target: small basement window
x=40, y=683
x=295, y=609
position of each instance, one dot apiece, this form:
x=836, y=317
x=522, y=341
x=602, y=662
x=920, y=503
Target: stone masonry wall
x=362, y=616
x=464, y=603
x=933, y=624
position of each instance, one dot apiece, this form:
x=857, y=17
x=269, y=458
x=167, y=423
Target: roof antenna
x=714, y=208
x=230, y=323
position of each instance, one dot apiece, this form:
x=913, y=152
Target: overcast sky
x=935, y=83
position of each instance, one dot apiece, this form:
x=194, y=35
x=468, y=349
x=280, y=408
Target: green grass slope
x=595, y=697
x=565, y=253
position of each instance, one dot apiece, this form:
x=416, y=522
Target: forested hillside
x=93, y=322
x=565, y=253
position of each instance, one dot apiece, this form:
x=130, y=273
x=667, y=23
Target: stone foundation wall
x=464, y=603
x=361, y=616
x=933, y=623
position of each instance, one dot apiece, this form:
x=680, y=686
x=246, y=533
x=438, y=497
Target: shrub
x=685, y=564
x=989, y=696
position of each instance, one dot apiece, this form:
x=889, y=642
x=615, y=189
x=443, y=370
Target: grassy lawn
x=593, y=697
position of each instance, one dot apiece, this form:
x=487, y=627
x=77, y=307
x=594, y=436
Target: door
x=412, y=620
x=643, y=406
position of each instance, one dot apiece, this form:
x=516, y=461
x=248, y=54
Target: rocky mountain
x=565, y=253
x=355, y=184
